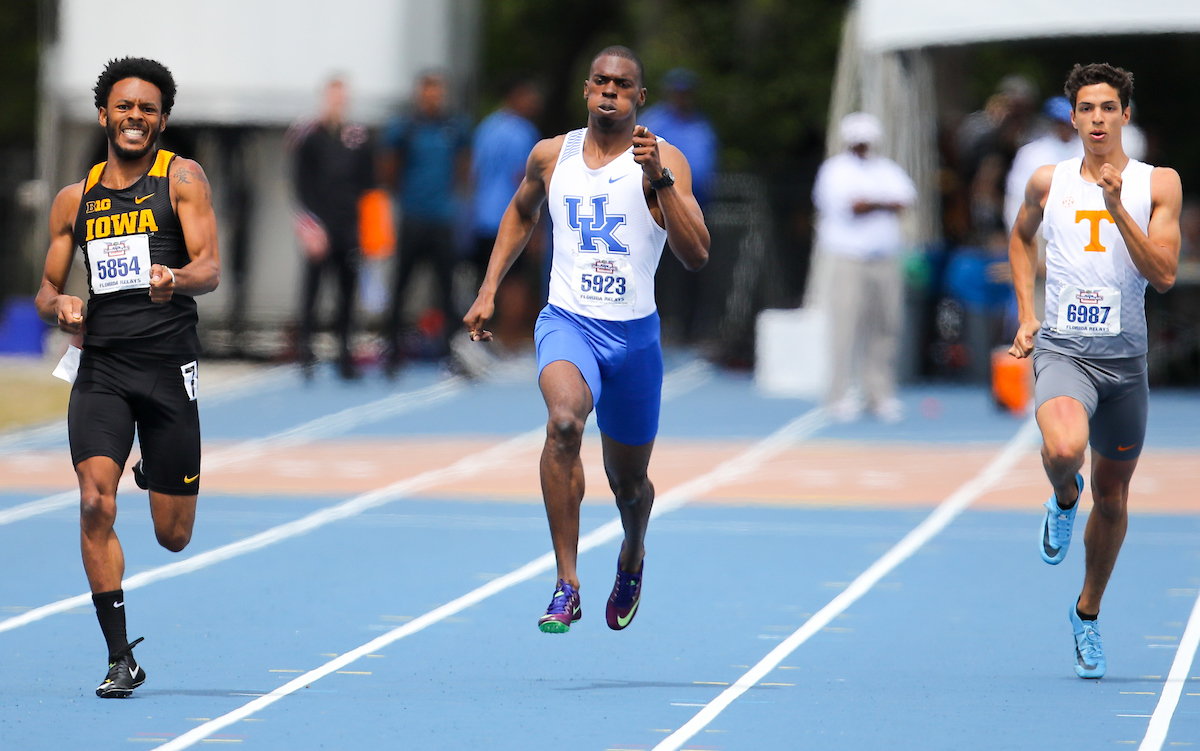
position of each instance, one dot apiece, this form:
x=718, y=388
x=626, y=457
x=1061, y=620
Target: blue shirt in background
x=691, y=134
x=429, y=149
x=498, y=154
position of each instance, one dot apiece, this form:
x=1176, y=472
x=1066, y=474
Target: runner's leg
x=1105, y=527
x=568, y=401
x=174, y=516
x=103, y=559
x=626, y=469
x=1064, y=425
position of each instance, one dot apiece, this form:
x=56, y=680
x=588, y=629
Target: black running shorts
x=116, y=392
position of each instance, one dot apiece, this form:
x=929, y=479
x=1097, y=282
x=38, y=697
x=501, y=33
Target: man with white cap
x=858, y=197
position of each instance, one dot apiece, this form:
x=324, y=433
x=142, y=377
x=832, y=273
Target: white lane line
x=495, y=456
x=234, y=388
x=327, y=426
x=469, y=465
x=1160, y=721
x=731, y=469
x=945, y=513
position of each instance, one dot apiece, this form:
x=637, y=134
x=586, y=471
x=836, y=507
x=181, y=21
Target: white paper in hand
x=68, y=366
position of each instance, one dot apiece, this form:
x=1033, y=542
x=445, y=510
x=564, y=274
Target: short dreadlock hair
x=1090, y=75
x=150, y=71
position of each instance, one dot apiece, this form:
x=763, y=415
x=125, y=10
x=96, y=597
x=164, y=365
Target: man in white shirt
x=858, y=197
x=1058, y=145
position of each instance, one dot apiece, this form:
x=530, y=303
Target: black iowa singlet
x=121, y=233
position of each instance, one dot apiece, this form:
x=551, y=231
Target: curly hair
x=150, y=71
x=1090, y=75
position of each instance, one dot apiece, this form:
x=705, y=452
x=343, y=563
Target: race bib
x=191, y=379
x=603, y=281
x=119, y=263
x=1089, y=311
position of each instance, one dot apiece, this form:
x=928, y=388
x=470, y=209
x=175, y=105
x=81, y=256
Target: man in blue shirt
x=426, y=158
x=680, y=124
x=498, y=152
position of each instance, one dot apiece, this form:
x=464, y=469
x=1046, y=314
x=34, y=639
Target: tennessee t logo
x=599, y=226
x=1094, y=217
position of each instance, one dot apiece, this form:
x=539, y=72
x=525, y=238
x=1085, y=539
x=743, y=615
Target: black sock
x=110, y=611
x=1085, y=616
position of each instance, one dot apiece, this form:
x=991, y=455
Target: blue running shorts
x=621, y=362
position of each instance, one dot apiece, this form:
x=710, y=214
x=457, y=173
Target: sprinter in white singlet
x=616, y=194
x=1111, y=225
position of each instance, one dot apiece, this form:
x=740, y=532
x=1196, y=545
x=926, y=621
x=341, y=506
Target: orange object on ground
x=1012, y=381
x=376, y=230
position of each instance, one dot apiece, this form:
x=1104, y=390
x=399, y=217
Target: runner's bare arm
x=516, y=226
x=1022, y=257
x=55, y=307
x=192, y=198
x=674, y=207
x=1155, y=253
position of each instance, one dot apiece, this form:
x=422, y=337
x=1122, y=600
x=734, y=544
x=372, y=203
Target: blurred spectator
x=1133, y=139
x=333, y=169
x=427, y=160
x=499, y=151
x=1189, y=228
x=859, y=197
x=987, y=142
x=1061, y=143
x=677, y=121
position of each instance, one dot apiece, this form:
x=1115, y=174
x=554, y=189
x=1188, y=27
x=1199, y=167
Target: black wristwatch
x=667, y=180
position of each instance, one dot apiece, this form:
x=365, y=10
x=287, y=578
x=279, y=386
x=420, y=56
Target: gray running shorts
x=1114, y=391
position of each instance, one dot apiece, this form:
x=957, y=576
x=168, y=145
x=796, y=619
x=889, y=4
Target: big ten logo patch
x=104, y=204
x=127, y=223
x=1094, y=218
x=599, y=227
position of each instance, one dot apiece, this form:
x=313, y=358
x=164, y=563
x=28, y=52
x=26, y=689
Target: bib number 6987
x=602, y=284
x=1087, y=313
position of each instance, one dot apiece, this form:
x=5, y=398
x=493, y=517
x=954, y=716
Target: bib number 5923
x=605, y=284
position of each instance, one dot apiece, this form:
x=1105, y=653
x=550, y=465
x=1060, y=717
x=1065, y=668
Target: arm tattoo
x=185, y=172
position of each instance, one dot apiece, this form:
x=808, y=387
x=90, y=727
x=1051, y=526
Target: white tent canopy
x=886, y=25
x=257, y=61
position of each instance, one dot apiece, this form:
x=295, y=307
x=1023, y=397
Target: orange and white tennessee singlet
x=1095, y=296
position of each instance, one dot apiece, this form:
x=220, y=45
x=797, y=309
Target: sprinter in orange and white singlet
x=1111, y=225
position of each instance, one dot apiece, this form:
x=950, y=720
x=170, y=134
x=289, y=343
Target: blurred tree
x=19, y=60
x=18, y=129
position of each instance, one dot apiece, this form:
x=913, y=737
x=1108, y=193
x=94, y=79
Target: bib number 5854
x=115, y=268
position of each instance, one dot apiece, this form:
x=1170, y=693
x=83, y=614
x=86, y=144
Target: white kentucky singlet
x=606, y=242
x=1095, y=296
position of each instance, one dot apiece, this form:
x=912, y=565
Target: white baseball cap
x=861, y=128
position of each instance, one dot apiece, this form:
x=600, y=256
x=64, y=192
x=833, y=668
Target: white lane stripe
x=950, y=508
x=492, y=457
x=730, y=469
x=234, y=388
x=40, y=506
x=327, y=426
x=498, y=455
x=1160, y=721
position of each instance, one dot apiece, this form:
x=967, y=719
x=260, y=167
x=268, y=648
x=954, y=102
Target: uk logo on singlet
x=598, y=227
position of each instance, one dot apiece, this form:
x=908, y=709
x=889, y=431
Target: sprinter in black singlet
x=145, y=225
